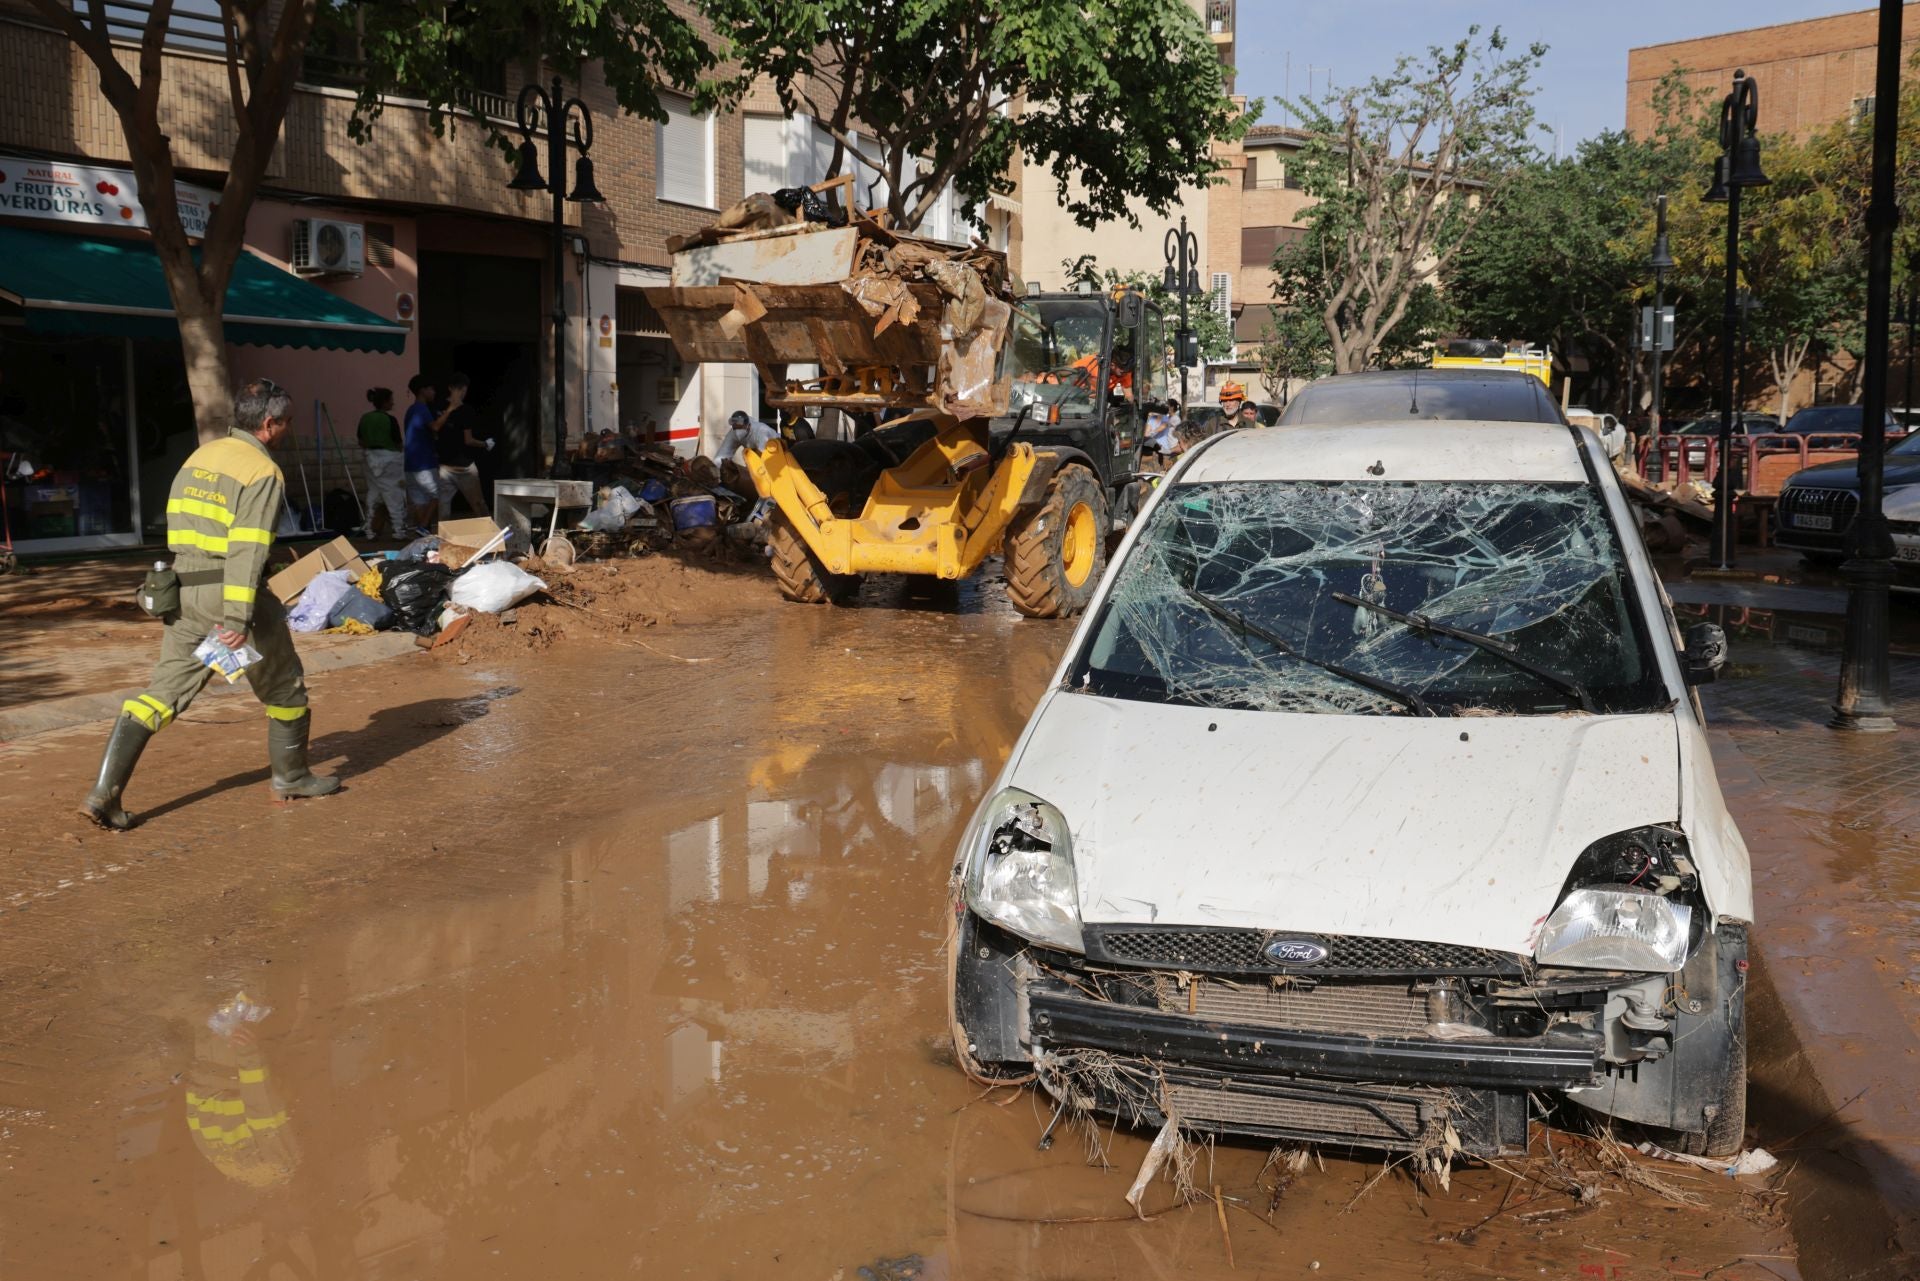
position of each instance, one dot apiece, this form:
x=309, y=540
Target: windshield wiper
x=1498, y=648
x=1243, y=627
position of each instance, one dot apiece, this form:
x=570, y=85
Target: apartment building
x=404, y=255
x=1050, y=240
x=1810, y=73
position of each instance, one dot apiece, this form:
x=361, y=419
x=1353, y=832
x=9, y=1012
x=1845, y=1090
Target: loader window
x=1058, y=364
x=1157, y=357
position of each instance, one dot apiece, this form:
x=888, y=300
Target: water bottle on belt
x=160, y=591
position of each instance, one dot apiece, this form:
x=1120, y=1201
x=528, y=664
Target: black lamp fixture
x=1183, y=280
x=1734, y=170
x=560, y=116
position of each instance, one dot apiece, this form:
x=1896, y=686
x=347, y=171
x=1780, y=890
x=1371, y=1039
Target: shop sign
x=606, y=331
x=55, y=190
x=403, y=306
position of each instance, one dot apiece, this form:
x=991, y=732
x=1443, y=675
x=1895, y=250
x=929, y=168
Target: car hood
x=1845, y=474
x=1446, y=829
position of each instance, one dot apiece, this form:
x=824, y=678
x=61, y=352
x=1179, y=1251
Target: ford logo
x=1295, y=952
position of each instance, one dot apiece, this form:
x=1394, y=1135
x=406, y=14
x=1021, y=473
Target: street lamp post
x=1662, y=262
x=1736, y=169
x=1183, y=279
x=540, y=107
x=1863, y=701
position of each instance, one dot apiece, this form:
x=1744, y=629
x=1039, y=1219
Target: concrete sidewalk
x=1831, y=820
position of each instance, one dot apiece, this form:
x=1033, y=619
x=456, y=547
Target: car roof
x=1393, y=451
x=1503, y=395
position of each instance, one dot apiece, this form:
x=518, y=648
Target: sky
x=1583, y=81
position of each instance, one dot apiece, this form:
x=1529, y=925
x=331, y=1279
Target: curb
x=79, y=709
x=1833, y=1054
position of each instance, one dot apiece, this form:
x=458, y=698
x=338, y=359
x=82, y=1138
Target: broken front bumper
x=1290, y=1084
x=1340, y=1060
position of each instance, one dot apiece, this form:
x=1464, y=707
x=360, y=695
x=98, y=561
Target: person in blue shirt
x=425, y=489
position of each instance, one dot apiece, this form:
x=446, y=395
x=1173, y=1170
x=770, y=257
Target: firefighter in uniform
x=221, y=513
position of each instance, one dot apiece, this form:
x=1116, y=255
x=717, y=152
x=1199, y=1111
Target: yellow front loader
x=968, y=461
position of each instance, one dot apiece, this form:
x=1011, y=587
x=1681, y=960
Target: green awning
x=76, y=284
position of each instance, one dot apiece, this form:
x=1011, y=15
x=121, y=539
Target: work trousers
x=467, y=480
x=278, y=680
x=386, y=483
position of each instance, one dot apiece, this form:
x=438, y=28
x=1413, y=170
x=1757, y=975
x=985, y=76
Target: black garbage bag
x=811, y=204
x=415, y=592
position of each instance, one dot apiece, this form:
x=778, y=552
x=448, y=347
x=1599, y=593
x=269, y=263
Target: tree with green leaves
x=1401, y=170
x=1312, y=315
x=428, y=51
x=1121, y=99
x=1212, y=331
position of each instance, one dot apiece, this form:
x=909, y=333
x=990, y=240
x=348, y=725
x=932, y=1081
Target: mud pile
x=613, y=601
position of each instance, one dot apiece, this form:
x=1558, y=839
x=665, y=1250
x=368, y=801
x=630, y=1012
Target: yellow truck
x=1490, y=353
x=1007, y=424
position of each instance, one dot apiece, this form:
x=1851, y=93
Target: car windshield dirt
x=1282, y=596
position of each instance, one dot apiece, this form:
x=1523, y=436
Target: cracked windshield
x=1378, y=598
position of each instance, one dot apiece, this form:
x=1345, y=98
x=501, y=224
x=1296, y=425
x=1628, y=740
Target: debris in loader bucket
x=894, y=321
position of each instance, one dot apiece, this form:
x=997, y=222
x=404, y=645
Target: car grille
x=1374, y=1009
x=1389, y=1118
x=1837, y=505
x=1219, y=950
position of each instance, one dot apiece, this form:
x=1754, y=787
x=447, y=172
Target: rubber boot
x=124, y=745
x=287, y=754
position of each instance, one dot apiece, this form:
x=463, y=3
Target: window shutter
x=1223, y=294
x=685, y=164
x=766, y=153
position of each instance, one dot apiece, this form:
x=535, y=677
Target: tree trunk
x=203, y=341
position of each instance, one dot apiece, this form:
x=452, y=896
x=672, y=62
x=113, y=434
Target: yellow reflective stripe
x=194, y=507
x=285, y=713
x=244, y=595
x=245, y=535
x=188, y=540
x=273, y=1122
x=217, y=1107
x=251, y=1076
x=148, y=711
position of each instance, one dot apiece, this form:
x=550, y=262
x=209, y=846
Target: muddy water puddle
x=703, y=1036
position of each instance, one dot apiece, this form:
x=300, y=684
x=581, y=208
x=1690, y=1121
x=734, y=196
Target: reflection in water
x=234, y=1107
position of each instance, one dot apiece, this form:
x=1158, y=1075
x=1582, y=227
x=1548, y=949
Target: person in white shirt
x=744, y=431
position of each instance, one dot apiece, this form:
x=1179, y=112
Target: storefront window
x=66, y=438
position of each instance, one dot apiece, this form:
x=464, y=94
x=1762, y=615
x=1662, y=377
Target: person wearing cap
x=744, y=431
x=1232, y=396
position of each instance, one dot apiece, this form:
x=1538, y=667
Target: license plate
x=1813, y=522
x=1906, y=553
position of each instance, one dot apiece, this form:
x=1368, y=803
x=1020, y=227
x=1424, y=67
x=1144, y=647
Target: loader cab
x=1082, y=364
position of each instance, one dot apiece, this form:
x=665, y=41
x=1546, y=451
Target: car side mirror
x=1706, y=653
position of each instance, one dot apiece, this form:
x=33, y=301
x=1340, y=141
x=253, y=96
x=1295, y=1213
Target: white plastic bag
x=494, y=587
x=309, y=613
x=615, y=512
x=228, y=663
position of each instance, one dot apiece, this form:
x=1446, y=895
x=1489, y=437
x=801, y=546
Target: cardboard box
x=474, y=532
x=291, y=581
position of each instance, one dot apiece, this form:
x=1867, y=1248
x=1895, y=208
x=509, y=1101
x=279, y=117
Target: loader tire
x=1056, y=552
x=799, y=572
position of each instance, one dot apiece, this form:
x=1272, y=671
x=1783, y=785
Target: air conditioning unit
x=326, y=247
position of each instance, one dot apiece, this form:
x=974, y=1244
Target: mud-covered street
x=627, y=958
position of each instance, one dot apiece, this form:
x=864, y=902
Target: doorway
x=481, y=316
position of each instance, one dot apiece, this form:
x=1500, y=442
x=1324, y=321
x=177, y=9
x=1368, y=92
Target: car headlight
x=1613, y=927
x=1019, y=870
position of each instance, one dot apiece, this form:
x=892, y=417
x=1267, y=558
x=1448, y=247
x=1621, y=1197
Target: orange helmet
x=1232, y=391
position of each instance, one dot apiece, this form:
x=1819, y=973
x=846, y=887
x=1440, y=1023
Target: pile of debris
x=648, y=500
x=894, y=321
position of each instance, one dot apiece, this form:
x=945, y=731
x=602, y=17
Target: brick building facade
x=1810, y=73
x=453, y=255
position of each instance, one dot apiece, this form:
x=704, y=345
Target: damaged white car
x=1370, y=801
